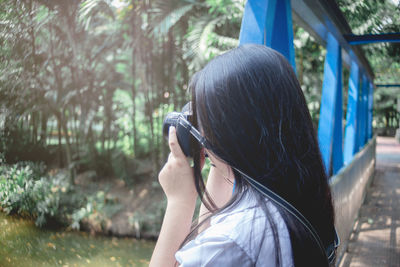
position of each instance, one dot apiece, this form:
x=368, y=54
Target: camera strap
x=329, y=251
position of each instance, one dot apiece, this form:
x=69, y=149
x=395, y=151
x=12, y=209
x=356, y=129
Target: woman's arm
x=177, y=180
x=174, y=229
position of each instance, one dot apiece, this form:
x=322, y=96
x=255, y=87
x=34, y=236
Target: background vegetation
x=374, y=17
x=85, y=85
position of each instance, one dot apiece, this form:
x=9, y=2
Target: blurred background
x=84, y=89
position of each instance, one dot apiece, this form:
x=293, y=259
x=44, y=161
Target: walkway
x=376, y=237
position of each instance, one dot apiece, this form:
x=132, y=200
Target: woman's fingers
x=173, y=143
x=176, y=177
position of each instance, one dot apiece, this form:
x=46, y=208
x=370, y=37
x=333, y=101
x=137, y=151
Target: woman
x=249, y=106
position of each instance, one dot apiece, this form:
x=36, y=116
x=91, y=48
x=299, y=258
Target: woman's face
x=219, y=166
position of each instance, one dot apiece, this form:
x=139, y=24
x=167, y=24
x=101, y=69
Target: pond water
x=22, y=244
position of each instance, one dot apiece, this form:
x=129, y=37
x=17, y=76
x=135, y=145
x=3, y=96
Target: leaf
x=91, y=8
x=170, y=19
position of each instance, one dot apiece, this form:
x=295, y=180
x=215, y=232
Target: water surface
x=22, y=244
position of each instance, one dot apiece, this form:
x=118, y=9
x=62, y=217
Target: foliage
x=85, y=86
x=97, y=210
x=25, y=193
x=310, y=58
x=374, y=17
x=97, y=78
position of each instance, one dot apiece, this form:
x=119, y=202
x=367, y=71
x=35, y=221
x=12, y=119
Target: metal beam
x=279, y=31
x=269, y=23
x=370, y=109
x=253, y=23
x=337, y=149
x=350, y=139
x=372, y=38
x=387, y=85
x=363, y=113
x=330, y=119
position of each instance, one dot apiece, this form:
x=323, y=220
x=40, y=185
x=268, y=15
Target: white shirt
x=241, y=236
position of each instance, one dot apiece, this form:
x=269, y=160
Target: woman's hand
x=176, y=177
x=177, y=181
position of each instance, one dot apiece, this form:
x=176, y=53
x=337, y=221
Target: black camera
x=181, y=122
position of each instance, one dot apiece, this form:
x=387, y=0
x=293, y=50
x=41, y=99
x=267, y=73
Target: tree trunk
x=68, y=153
x=134, y=130
x=59, y=143
x=76, y=129
x=34, y=127
x=135, y=35
x=43, y=128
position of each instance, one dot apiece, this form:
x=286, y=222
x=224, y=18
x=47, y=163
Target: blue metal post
x=358, y=123
x=330, y=120
x=254, y=19
x=269, y=22
x=280, y=31
x=370, y=106
x=362, y=130
x=351, y=117
x=365, y=111
x=337, y=147
x=366, y=96
x=393, y=37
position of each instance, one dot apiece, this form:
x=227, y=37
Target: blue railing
x=348, y=154
x=269, y=22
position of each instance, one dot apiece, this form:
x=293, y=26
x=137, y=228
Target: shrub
x=27, y=191
x=96, y=212
x=24, y=193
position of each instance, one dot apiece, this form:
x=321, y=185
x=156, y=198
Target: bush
x=27, y=191
x=96, y=212
x=23, y=192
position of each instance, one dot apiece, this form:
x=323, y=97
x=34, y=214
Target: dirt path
x=376, y=237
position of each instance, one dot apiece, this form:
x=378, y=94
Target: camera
x=183, y=127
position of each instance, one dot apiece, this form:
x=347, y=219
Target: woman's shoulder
x=249, y=227
x=245, y=229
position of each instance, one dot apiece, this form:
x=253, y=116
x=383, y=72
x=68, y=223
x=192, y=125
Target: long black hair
x=252, y=111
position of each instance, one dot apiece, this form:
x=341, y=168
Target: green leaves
x=375, y=17
x=26, y=194
x=169, y=18
x=90, y=8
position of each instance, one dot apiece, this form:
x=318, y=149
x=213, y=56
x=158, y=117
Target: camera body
x=180, y=120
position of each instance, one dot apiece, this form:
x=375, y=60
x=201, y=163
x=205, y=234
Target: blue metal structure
x=350, y=160
x=370, y=103
x=350, y=140
x=373, y=38
x=270, y=23
x=330, y=120
x=363, y=112
x=387, y=85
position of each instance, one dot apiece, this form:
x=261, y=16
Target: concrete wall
x=349, y=188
